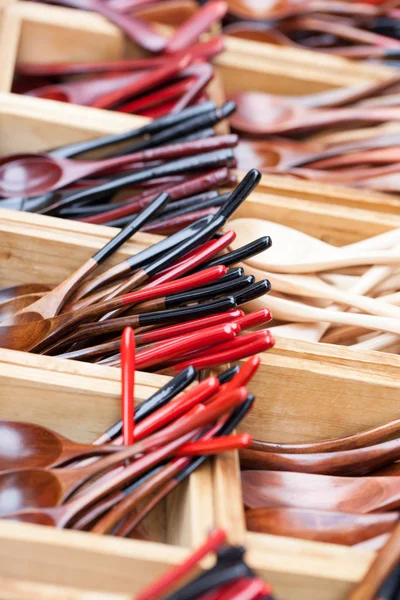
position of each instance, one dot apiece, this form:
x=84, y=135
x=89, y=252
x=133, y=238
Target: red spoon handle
x=143, y=82
x=172, y=331
x=173, y=410
x=195, y=258
x=170, y=579
x=163, y=289
x=221, y=444
x=187, y=343
x=215, y=358
x=200, y=22
x=219, y=406
x=128, y=384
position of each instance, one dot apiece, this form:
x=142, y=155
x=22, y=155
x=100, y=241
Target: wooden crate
x=304, y=391
x=81, y=401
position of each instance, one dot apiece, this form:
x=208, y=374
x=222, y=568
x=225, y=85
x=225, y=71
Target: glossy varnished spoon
x=358, y=461
x=51, y=303
x=26, y=488
x=35, y=174
x=9, y=293
x=358, y=495
x=284, y=119
x=322, y=526
x=10, y=307
x=351, y=442
x=26, y=444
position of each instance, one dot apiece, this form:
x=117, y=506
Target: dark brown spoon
x=10, y=307
x=24, y=289
x=257, y=115
x=25, y=445
x=51, y=303
x=49, y=512
x=34, y=174
x=358, y=440
x=281, y=154
x=359, y=495
x=136, y=29
x=320, y=526
x=328, y=99
x=358, y=461
x=280, y=9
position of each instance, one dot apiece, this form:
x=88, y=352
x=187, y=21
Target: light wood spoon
x=295, y=252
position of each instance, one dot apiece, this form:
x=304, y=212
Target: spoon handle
x=288, y=310
x=154, y=127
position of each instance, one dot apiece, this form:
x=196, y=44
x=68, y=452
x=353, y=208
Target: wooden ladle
x=321, y=526
x=258, y=116
x=51, y=303
x=358, y=495
x=297, y=252
x=34, y=174
x=358, y=461
x=27, y=445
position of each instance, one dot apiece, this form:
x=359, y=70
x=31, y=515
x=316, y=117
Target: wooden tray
x=304, y=391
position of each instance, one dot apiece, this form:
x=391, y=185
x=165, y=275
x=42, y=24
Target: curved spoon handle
x=288, y=310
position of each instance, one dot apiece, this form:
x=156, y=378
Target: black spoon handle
x=132, y=228
x=149, y=129
x=175, y=167
x=241, y=254
x=182, y=129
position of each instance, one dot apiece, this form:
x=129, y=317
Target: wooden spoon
x=107, y=91
x=280, y=9
x=358, y=461
x=255, y=116
x=49, y=512
x=358, y=495
x=28, y=445
x=10, y=307
x=51, y=303
x=320, y=526
x=26, y=488
x=296, y=252
x=351, y=442
x=8, y=293
x=35, y=174
x=312, y=286
x=137, y=30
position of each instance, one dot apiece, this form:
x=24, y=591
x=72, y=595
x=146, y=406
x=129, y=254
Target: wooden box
x=81, y=401
x=304, y=392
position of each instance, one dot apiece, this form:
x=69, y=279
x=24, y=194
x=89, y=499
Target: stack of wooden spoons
x=322, y=136
x=180, y=295
x=348, y=295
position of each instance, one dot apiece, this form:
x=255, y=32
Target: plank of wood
x=10, y=31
